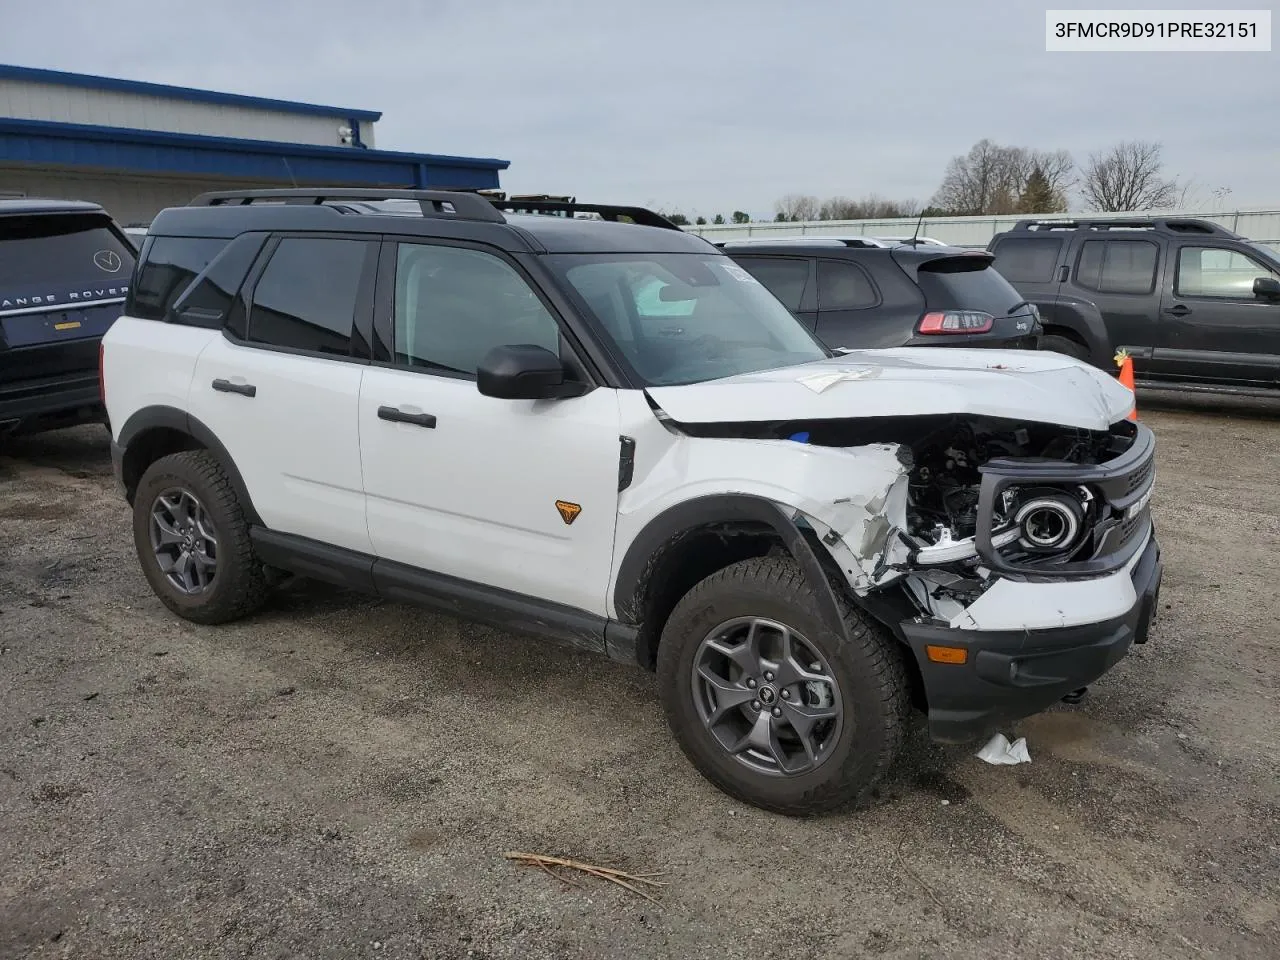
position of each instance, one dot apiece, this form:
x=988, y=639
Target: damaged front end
x=973, y=501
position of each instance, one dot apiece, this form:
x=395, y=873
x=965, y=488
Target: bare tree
x=871, y=207
x=1128, y=177
x=797, y=207
x=992, y=178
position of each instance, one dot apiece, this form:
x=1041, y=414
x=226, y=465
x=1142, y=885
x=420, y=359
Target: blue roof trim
x=91, y=82
x=40, y=142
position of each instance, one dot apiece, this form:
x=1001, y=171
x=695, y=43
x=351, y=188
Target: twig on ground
x=628, y=881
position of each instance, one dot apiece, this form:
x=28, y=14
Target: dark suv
x=1194, y=304
x=64, y=273
x=862, y=293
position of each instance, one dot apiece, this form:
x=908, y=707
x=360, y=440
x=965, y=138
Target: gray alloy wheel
x=767, y=696
x=184, y=541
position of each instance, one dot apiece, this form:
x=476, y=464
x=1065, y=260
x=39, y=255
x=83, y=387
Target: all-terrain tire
x=238, y=586
x=866, y=663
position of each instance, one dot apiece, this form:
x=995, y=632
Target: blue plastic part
x=801, y=437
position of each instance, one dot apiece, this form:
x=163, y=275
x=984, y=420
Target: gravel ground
x=340, y=777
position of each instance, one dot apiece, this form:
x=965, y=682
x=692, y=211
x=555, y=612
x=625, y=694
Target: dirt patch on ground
x=339, y=777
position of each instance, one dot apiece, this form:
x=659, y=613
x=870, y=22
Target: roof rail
x=607, y=211
x=1174, y=225
x=817, y=241
x=458, y=205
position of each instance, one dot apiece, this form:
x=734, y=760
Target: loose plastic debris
x=1001, y=752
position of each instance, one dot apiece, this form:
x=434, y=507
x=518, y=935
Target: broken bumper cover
x=1010, y=674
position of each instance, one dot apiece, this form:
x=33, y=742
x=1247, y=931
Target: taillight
x=956, y=321
x=102, y=380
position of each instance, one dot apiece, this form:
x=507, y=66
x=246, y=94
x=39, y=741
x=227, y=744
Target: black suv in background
x=1195, y=305
x=855, y=294
x=65, y=268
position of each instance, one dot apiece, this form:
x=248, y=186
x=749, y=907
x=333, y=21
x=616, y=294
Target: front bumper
x=1010, y=674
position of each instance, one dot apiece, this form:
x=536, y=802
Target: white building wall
x=130, y=199
x=1262, y=225
x=27, y=100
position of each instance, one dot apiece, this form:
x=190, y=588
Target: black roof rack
x=607, y=211
x=1178, y=225
x=458, y=205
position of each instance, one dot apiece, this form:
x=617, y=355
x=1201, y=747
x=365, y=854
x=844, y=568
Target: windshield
x=685, y=318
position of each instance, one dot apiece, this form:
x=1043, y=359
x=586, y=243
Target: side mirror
x=1266, y=288
x=524, y=372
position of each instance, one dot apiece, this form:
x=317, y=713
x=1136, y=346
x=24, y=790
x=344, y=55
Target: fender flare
x=633, y=572
x=171, y=418
x=1083, y=318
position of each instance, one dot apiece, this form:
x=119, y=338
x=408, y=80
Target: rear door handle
x=396, y=415
x=244, y=389
x=1181, y=310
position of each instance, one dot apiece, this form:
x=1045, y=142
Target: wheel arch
x=157, y=431
x=691, y=540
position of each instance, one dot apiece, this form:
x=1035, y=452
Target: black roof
x=28, y=206
x=443, y=214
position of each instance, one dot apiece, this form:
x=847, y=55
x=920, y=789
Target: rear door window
x=1027, y=260
x=60, y=261
x=784, y=277
x=1118, y=266
x=306, y=297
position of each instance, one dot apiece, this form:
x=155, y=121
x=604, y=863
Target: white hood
x=1026, y=385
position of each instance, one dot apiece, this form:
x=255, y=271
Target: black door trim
x=465, y=599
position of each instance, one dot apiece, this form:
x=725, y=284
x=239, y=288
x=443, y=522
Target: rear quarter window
x=1029, y=260
x=166, y=271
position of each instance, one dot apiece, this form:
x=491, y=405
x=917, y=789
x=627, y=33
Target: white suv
x=604, y=431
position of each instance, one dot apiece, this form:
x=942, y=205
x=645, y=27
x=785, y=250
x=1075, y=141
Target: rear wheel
x=1064, y=345
x=768, y=702
x=193, y=540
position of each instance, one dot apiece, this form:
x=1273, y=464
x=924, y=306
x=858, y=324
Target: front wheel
x=770, y=704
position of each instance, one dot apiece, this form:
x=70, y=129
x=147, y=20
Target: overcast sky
x=701, y=106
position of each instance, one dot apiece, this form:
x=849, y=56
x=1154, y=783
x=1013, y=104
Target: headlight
x=1049, y=521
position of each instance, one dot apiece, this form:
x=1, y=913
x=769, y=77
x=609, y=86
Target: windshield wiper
x=1017, y=306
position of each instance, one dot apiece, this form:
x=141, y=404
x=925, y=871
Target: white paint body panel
x=1012, y=605
x=147, y=364
x=475, y=496
x=911, y=381
x=296, y=444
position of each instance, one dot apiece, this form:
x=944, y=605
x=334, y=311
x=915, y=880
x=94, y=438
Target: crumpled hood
x=1025, y=385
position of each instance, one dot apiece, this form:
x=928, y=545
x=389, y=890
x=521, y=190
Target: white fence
x=1261, y=225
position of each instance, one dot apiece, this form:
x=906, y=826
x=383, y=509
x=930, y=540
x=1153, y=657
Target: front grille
x=1138, y=479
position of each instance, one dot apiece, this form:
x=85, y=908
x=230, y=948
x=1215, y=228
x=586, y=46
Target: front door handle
x=244, y=389
x=1181, y=310
x=396, y=415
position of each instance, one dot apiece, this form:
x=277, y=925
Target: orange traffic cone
x=1125, y=363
